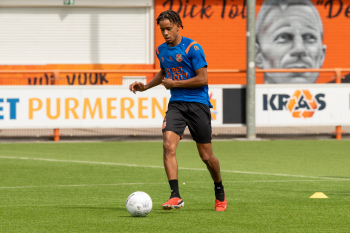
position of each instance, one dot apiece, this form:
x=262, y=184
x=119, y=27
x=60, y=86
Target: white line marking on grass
x=181, y=168
x=281, y=181
x=74, y=185
x=78, y=161
x=261, y=173
x=237, y=181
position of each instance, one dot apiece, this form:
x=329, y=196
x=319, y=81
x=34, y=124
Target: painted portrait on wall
x=289, y=35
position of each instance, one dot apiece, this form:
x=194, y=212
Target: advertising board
x=89, y=107
x=303, y=105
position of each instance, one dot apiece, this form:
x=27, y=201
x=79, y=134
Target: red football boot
x=220, y=205
x=172, y=203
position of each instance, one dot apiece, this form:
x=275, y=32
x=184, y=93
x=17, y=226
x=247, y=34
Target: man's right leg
x=170, y=142
x=174, y=126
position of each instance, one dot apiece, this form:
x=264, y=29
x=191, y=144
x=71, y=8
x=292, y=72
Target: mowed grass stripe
x=149, y=166
x=226, y=181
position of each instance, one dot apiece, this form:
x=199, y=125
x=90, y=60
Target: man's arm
x=201, y=79
x=138, y=86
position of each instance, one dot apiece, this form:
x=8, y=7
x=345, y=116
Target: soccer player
x=184, y=72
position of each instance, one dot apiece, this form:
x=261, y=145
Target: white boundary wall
x=90, y=32
x=78, y=3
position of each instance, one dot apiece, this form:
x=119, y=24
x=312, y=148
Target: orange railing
x=54, y=77
x=20, y=77
x=216, y=76
x=337, y=71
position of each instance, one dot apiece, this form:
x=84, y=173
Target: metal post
x=56, y=132
x=56, y=77
x=338, y=131
x=250, y=91
x=337, y=75
x=56, y=135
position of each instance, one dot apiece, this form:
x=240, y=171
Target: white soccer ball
x=139, y=204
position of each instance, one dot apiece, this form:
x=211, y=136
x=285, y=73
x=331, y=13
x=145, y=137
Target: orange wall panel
x=220, y=27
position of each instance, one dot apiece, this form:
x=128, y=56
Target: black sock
x=174, y=186
x=219, y=191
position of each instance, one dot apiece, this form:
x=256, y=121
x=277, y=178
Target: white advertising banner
x=89, y=107
x=303, y=105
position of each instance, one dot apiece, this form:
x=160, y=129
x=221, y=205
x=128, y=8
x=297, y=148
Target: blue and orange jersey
x=180, y=63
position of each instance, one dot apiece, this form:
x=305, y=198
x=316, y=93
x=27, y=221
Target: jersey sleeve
x=197, y=57
x=157, y=53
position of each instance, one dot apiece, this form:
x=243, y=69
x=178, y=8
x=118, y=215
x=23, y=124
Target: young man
x=184, y=72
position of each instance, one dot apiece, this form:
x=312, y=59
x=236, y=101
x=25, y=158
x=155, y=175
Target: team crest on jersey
x=162, y=59
x=170, y=58
x=178, y=57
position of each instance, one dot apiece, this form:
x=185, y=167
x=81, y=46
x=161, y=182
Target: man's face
x=290, y=39
x=169, y=31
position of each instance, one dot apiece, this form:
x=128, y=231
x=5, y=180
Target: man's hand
x=168, y=83
x=137, y=86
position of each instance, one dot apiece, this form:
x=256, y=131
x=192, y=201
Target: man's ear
x=323, y=55
x=258, y=56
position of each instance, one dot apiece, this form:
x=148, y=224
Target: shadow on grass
x=183, y=210
x=93, y=208
x=154, y=211
x=328, y=193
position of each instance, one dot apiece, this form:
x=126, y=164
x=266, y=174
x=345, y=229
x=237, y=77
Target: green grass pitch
x=82, y=187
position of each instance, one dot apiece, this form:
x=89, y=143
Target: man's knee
x=207, y=158
x=169, y=148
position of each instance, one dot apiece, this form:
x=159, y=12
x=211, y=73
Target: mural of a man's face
x=290, y=39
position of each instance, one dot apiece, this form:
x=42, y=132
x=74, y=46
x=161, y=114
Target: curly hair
x=170, y=15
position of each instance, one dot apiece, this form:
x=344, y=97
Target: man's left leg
x=199, y=123
x=206, y=153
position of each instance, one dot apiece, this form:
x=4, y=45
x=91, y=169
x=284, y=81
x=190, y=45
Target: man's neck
x=176, y=41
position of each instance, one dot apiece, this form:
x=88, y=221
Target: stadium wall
x=91, y=35
x=218, y=25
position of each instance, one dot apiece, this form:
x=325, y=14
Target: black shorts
x=196, y=116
